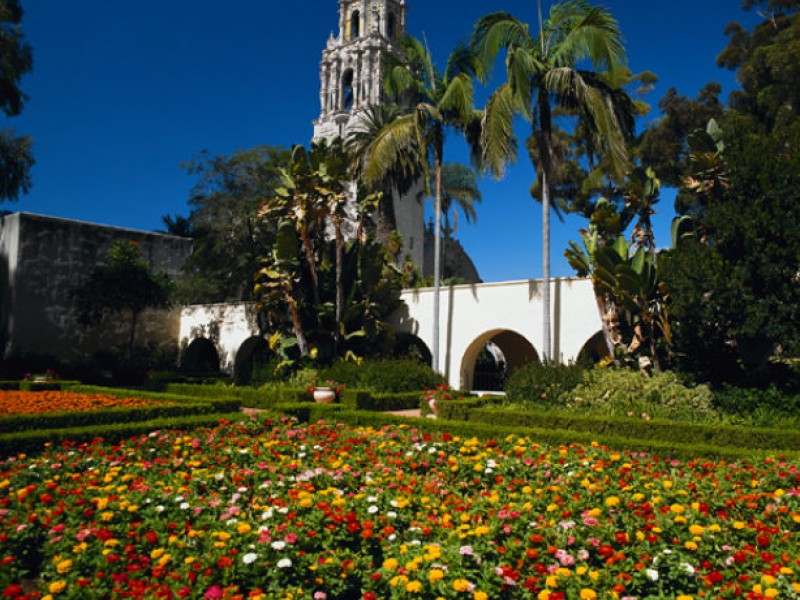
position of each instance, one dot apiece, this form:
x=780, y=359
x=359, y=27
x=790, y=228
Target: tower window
x=347, y=90
x=391, y=26
x=355, y=24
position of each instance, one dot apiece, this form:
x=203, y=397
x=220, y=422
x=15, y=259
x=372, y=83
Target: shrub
x=543, y=383
x=746, y=401
x=384, y=375
x=625, y=392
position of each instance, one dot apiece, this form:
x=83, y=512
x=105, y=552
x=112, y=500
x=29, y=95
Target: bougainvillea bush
x=273, y=509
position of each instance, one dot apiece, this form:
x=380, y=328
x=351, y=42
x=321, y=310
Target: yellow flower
x=242, y=528
x=690, y=546
x=64, y=566
x=696, y=529
x=435, y=575
x=461, y=585
x=684, y=597
x=771, y=593
x=677, y=508
x=543, y=595
x=390, y=564
x=588, y=594
x=480, y=596
x=551, y=581
x=413, y=587
x=612, y=501
x=57, y=587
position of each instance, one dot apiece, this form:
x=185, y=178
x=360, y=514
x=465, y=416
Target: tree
x=542, y=74
x=437, y=101
x=16, y=158
x=124, y=284
x=229, y=236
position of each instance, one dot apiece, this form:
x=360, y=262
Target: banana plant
x=630, y=296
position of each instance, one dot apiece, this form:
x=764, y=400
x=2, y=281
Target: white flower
x=688, y=568
x=373, y=509
x=284, y=563
x=160, y=508
x=249, y=558
x=278, y=545
x=652, y=574
x=185, y=505
x=391, y=515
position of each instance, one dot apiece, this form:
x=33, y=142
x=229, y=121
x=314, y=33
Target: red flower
x=763, y=540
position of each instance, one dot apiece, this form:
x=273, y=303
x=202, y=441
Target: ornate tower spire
x=351, y=69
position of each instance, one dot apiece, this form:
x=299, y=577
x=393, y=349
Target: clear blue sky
x=124, y=91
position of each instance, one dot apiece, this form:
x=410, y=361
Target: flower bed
x=27, y=403
x=275, y=510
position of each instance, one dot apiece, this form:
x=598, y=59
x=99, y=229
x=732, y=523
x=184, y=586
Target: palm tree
x=543, y=77
x=435, y=102
x=459, y=191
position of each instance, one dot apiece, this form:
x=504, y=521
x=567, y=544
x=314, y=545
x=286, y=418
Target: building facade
x=42, y=262
x=351, y=80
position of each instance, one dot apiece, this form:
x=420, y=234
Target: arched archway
x=201, y=356
x=408, y=345
x=594, y=350
x=252, y=354
x=503, y=345
x=348, y=93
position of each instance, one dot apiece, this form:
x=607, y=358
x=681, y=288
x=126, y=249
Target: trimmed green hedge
x=639, y=429
x=391, y=401
x=262, y=397
x=61, y=420
x=33, y=441
x=558, y=436
x=460, y=409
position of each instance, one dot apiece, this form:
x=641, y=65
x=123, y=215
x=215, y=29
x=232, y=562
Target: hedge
x=460, y=409
x=33, y=441
x=638, y=429
x=60, y=420
x=556, y=437
x=261, y=397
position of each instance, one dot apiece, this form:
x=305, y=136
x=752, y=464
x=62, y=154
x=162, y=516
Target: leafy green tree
x=123, y=286
x=229, y=236
x=542, y=73
x=437, y=101
x=16, y=158
x=736, y=289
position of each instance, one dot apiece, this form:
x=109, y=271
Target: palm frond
x=588, y=32
x=498, y=143
x=494, y=32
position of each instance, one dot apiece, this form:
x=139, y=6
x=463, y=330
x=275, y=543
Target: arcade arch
x=505, y=345
x=594, y=350
x=201, y=356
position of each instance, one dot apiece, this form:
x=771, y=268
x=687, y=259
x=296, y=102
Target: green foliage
x=543, y=384
x=383, y=375
x=16, y=158
x=34, y=441
x=229, y=235
x=623, y=392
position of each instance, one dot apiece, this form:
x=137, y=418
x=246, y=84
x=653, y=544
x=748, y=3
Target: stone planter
x=324, y=395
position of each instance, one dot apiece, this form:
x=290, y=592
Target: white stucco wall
x=470, y=315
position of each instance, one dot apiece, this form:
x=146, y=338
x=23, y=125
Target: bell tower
x=351, y=70
x=351, y=79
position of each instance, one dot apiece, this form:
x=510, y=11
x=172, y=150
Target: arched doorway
x=252, y=359
x=201, y=357
x=594, y=350
x=492, y=357
x=407, y=345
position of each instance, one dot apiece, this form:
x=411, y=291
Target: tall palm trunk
x=545, y=151
x=337, y=225
x=437, y=261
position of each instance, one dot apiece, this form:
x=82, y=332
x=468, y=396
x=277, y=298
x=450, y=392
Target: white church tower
x=351, y=79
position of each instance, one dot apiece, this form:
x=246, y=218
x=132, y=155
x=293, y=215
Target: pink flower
x=213, y=593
